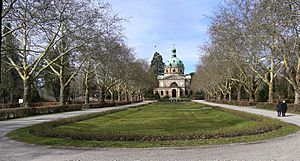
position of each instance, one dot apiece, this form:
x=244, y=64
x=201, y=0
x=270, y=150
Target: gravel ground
x=284, y=148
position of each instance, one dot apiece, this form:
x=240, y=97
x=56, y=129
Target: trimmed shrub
x=272, y=106
x=167, y=99
x=49, y=129
x=56, y=109
x=36, y=104
x=23, y=112
x=261, y=105
x=11, y=113
x=233, y=102
x=9, y=105
x=15, y=113
x=39, y=104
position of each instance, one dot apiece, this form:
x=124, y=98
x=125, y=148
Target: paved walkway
x=285, y=148
x=11, y=150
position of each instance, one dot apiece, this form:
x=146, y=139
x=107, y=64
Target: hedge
x=272, y=106
x=175, y=100
x=12, y=113
x=261, y=105
x=9, y=105
x=49, y=129
x=233, y=102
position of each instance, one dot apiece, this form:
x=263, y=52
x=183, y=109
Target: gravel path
x=285, y=148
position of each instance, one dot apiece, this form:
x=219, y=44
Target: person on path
x=279, y=110
x=283, y=108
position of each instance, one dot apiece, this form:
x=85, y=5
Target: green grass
x=161, y=119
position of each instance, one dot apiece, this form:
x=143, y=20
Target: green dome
x=174, y=61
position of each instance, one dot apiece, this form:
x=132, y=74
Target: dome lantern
x=174, y=52
x=174, y=61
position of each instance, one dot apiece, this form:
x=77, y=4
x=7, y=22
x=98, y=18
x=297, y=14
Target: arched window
x=167, y=71
x=161, y=93
x=174, y=84
x=174, y=71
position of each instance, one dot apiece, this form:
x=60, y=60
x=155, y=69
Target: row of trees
x=67, y=46
x=254, y=45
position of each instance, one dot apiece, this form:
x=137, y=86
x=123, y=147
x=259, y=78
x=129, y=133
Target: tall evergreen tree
x=157, y=66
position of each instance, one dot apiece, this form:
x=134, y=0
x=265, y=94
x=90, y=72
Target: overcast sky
x=164, y=23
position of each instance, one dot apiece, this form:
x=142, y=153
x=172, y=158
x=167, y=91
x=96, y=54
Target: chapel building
x=173, y=83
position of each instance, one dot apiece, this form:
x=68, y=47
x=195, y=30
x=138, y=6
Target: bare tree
x=239, y=35
x=78, y=33
x=42, y=27
x=283, y=26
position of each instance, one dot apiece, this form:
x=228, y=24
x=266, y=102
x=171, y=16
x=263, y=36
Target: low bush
x=151, y=96
x=24, y=112
x=9, y=105
x=272, y=106
x=56, y=109
x=261, y=105
x=49, y=130
x=11, y=113
x=234, y=102
x=15, y=113
x=167, y=99
x=39, y=104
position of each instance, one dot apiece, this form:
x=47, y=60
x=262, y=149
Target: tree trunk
x=271, y=93
x=112, y=96
x=87, y=92
x=295, y=81
x=61, y=91
x=256, y=96
x=103, y=94
x=271, y=90
x=219, y=97
x=2, y=96
x=239, y=92
x=250, y=93
x=26, y=93
x=119, y=96
x=251, y=89
x=102, y=98
x=11, y=98
x=87, y=96
x=126, y=96
x=289, y=91
x=229, y=96
x=130, y=97
x=297, y=97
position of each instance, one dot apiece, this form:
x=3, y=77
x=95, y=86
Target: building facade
x=173, y=83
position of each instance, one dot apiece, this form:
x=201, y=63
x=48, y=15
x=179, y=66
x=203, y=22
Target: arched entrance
x=174, y=93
